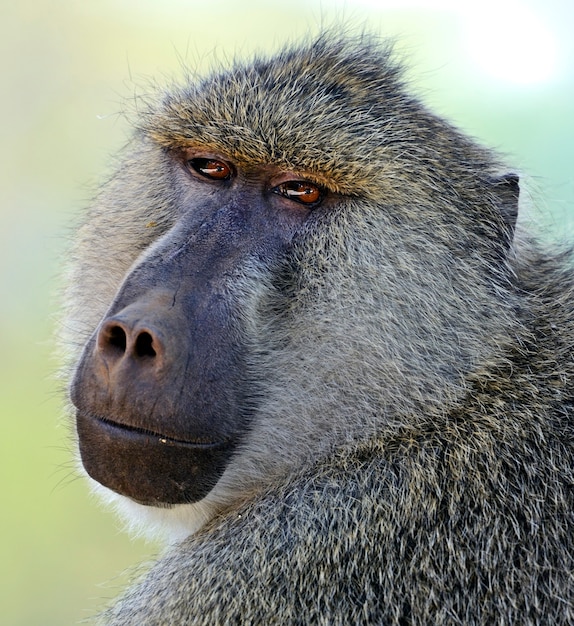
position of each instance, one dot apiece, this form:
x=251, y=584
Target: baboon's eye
x=211, y=168
x=300, y=191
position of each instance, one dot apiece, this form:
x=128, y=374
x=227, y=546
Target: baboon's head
x=292, y=255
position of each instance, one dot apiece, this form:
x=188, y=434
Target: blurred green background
x=503, y=71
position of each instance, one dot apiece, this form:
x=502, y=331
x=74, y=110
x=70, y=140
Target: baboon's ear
x=507, y=189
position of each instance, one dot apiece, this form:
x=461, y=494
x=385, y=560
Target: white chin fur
x=169, y=524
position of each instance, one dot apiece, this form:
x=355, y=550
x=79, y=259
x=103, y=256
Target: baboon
x=310, y=343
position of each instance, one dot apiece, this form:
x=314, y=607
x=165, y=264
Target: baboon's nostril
x=144, y=345
x=116, y=337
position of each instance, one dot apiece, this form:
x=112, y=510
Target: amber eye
x=211, y=168
x=300, y=191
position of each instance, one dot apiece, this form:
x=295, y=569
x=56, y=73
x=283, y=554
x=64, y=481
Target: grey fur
x=411, y=459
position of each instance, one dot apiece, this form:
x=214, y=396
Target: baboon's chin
x=147, y=467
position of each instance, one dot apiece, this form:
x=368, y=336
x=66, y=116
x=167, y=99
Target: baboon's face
x=163, y=392
x=328, y=262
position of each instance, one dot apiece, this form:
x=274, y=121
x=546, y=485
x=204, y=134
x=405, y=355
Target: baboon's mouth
x=149, y=467
x=133, y=431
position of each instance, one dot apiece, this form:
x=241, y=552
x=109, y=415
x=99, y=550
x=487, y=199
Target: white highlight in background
x=510, y=42
x=507, y=39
